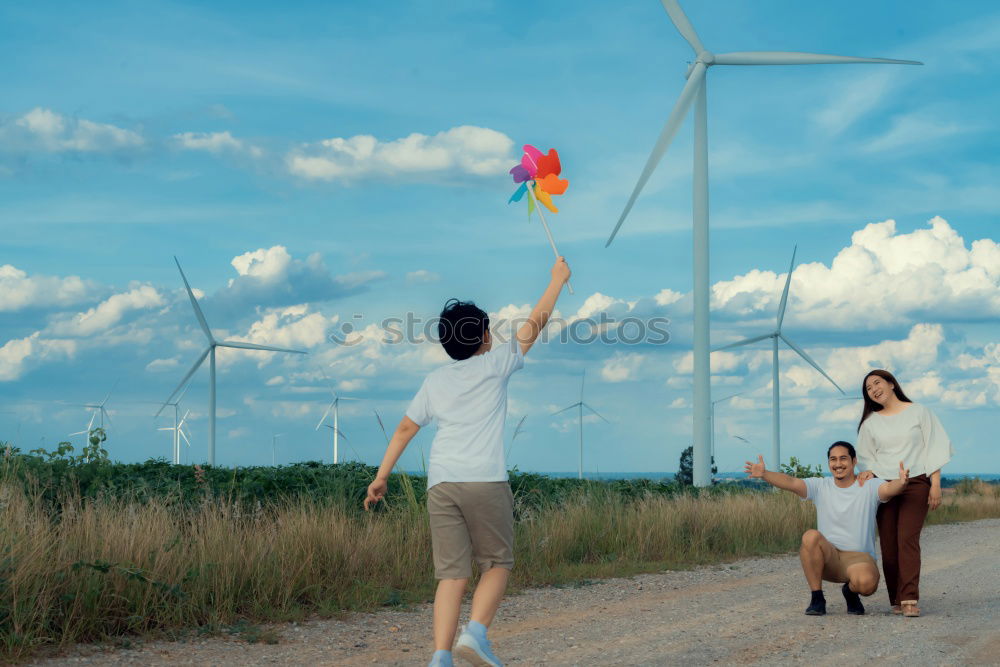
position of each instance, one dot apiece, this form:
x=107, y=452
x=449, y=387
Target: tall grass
x=107, y=567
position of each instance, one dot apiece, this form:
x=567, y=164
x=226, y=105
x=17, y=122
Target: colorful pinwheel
x=538, y=176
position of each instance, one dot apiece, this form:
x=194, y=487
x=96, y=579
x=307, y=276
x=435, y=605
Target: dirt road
x=748, y=612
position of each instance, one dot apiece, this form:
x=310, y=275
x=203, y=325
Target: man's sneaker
x=476, y=652
x=816, y=608
x=854, y=605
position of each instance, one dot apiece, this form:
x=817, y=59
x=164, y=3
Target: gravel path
x=748, y=612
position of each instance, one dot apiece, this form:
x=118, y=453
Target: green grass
x=84, y=562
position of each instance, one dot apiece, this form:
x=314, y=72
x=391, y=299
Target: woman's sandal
x=910, y=608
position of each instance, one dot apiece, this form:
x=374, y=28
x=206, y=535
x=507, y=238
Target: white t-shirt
x=845, y=516
x=914, y=436
x=468, y=398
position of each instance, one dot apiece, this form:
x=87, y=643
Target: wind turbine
x=334, y=406
x=210, y=353
x=580, y=405
x=695, y=91
x=178, y=430
x=90, y=425
x=774, y=336
x=177, y=443
x=98, y=409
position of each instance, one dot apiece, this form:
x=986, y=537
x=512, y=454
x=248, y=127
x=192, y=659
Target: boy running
x=468, y=497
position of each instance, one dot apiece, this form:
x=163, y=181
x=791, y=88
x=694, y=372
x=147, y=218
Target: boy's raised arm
x=528, y=333
x=779, y=479
x=400, y=439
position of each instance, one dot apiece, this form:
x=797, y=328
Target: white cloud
x=854, y=99
x=45, y=130
x=19, y=291
x=466, y=149
x=272, y=277
x=622, y=367
x=216, y=143
x=292, y=327
x=158, y=365
x=107, y=313
x=883, y=278
x=422, y=276
x=15, y=355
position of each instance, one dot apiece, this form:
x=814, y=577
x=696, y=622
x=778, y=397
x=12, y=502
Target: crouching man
x=842, y=550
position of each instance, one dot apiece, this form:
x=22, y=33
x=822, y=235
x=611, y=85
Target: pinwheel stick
x=548, y=232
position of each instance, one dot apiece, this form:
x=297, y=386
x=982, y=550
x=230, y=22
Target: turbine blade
x=582, y=380
x=683, y=25
x=341, y=434
x=802, y=353
x=106, y=414
x=663, y=142
x=186, y=378
x=784, y=294
x=194, y=304
x=381, y=426
x=79, y=433
x=184, y=435
x=182, y=394
x=798, y=58
x=109, y=392
x=323, y=418
x=568, y=407
x=741, y=343
x=165, y=428
x=254, y=346
x=595, y=412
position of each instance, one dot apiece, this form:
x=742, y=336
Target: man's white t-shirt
x=468, y=398
x=845, y=516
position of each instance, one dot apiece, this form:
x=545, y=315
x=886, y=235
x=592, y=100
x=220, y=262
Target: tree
x=795, y=468
x=685, y=471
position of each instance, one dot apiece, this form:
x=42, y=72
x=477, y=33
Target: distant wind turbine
x=210, y=353
x=178, y=433
x=334, y=406
x=694, y=92
x=177, y=442
x=580, y=405
x=99, y=408
x=274, y=448
x=774, y=336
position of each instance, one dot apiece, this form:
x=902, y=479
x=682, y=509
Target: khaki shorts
x=836, y=562
x=471, y=520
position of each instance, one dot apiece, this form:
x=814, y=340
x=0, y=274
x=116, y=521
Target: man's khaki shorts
x=471, y=520
x=836, y=562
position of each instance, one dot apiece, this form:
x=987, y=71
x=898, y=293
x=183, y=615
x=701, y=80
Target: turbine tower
x=580, y=405
x=210, y=353
x=774, y=336
x=334, y=407
x=694, y=92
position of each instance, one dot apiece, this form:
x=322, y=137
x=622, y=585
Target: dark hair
x=841, y=443
x=462, y=328
x=870, y=405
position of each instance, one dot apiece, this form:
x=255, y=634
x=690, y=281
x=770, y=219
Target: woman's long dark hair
x=870, y=405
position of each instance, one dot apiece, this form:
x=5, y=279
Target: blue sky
x=313, y=163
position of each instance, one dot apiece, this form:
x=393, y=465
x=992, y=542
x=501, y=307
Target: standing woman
x=892, y=429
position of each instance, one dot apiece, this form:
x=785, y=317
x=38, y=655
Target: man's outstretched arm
x=540, y=314
x=781, y=480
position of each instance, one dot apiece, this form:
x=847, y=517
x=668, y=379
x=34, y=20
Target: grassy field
x=76, y=568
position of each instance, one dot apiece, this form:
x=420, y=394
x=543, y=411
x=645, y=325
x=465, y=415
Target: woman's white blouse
x=914, y=436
